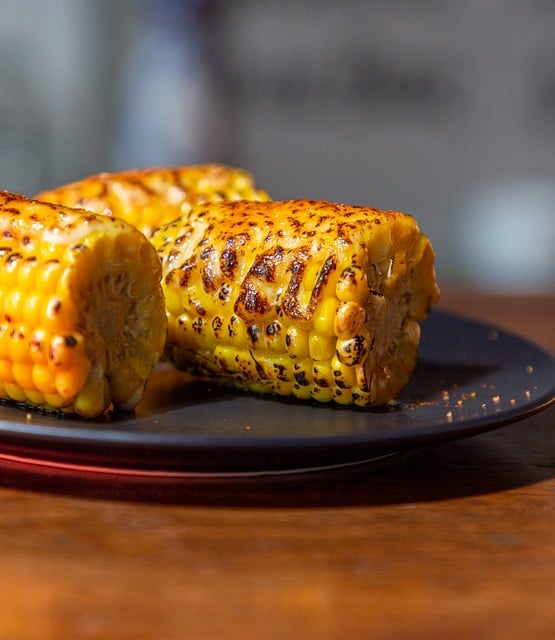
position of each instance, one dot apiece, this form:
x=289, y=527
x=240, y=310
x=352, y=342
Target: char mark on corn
x=302, y=298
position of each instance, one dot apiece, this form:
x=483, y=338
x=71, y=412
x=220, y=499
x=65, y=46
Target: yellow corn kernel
x=66, y=309
x=8, y=271
x=324, y=318
x=6, y=370
x=34, y=397
x=321, y=347
x=26, y=274
x=15, y=392
x=44, y=379
x=48, y=274
x=38, y=343
x=23, y=375
x=32, y=308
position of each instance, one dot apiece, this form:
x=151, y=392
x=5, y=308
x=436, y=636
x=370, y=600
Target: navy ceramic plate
x=471, y=378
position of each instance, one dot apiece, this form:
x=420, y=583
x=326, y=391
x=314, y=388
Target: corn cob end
x=82, y=320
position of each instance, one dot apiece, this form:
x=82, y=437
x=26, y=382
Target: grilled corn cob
x=148, y=198
x=301, y=298
x=82, y=319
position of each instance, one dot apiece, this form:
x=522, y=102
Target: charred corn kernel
x=353, y=351
x=275, y=338
x=75, y=335
x=352, y=284
x=343, y=396
x=344, y=376
x=322, y=374
x=149, y=198
x=296, y=342
x=349, y=317
x=297, y=298
x=18, y=345
x=38, y=343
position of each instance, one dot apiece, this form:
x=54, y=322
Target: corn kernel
x=6, y=372
x=67, y=351
x=9, y=270
x=39, y=345
x=324, y=317
x=296, y=342
x=352, y=285
x=23, y=375
x=13, y=304
x=47, y=276
x=32, y=308
x=69, y=383
x=349, y=319
x=353, y=351
x=343, y=375
x=322, y=374
x=321, y=347
x=26, y=273
x=43, y=379
x=55, y=401
x=343, y=396
x=18, y=345
x=58, y=314
x=15, y=392
x=34, y=397
x=174, y=301
x=322, y=394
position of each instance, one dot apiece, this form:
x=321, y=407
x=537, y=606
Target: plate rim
x=118, y=449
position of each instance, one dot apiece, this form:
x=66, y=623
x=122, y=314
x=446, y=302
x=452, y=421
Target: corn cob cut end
x=150, y=197
x=82, y=319
x=302, y=298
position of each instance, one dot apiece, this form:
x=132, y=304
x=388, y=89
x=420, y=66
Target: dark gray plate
x=471, y=378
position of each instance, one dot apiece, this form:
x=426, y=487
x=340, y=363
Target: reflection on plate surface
x=471, y=378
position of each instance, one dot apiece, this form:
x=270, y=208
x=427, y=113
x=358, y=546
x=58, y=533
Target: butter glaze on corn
x=302, y=298
x=82, y=320
x=148, y=198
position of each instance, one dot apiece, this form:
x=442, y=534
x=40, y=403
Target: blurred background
x=441, y=108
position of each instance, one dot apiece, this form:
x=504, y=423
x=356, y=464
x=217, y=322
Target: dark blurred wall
x=60, y=65
x=442, y=108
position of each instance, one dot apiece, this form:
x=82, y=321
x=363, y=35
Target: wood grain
x=454, y=540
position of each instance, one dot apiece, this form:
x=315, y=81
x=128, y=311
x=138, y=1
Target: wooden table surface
x=450, y=541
